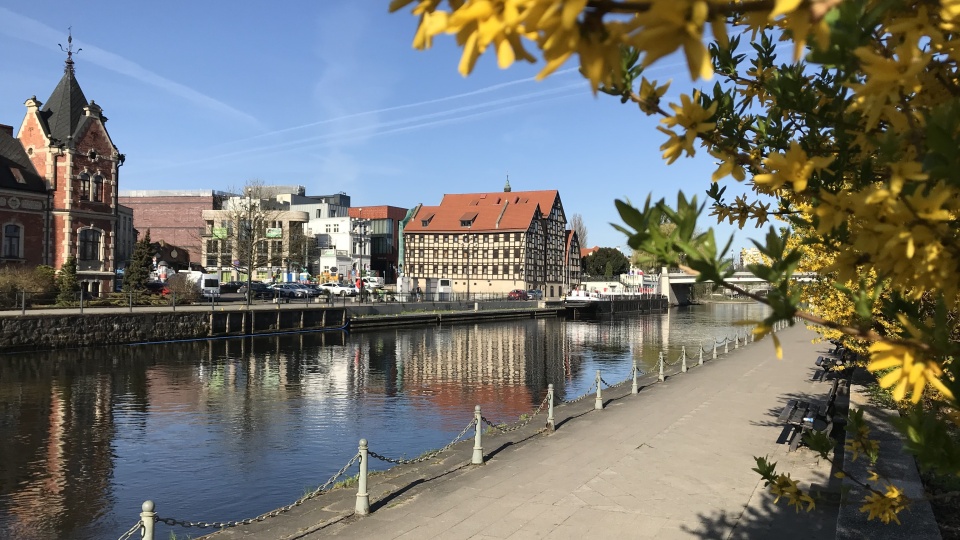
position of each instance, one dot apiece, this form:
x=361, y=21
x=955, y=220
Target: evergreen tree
x=138, y=270
x=67, y=285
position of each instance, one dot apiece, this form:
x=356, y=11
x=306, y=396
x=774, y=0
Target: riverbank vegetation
x=847, y=146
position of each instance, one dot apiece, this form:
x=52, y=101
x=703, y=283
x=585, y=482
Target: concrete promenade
x=673, y=461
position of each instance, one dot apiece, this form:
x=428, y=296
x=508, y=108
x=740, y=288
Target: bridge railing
x=149, y=518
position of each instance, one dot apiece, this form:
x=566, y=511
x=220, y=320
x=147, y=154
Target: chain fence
x=274, y=513
x=133, y=530
x=425, y=457
x=590, y=391
x=501, y=429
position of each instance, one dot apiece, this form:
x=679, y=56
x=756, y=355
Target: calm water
x=228, y=429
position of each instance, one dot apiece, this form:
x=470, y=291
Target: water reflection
x=228, y=429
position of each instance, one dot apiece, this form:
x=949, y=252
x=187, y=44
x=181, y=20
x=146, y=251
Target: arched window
x=12, y=241
x=97, y=188
x=89, y=245
x=84, y=186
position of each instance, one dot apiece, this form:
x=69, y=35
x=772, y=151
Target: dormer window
x=84, y=186
x=97, y=188
x=426, y=220
x=467, y=219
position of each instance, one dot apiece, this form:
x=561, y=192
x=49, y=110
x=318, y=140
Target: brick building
x=174, y=216
x=491, y=243
x=67, y=144
x=24, y=220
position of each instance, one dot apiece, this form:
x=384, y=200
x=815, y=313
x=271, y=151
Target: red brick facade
x=69, y=147
x=175, y=218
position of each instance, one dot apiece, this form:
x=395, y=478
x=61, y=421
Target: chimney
x=6, y=129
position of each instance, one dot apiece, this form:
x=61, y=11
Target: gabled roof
x=16, y=170
x=62, y=112
x=488, y=212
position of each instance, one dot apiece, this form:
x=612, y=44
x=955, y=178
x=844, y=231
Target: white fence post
x=477, y=446
x=598, y=404
x=363, y=498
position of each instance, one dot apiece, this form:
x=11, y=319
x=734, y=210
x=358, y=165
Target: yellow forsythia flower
x=910, y=372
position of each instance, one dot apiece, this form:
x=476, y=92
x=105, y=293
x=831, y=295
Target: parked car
x=518, y=294
x=337, y=289
x=310, y=292
x=372, y=282
x=259, y=290
x=535, y=294
x=289, y=290
x=231, y=286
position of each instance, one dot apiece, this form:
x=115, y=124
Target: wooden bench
x=804, y=416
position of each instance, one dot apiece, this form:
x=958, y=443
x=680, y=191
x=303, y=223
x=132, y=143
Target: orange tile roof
x=497, y=211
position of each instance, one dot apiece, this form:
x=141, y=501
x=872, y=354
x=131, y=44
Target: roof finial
x=506, y=188
x=68, y=65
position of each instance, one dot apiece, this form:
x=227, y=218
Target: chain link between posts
x=502, y=429
x=133, y=530
x=227, y=524
x=425, y=457
x=590, y=392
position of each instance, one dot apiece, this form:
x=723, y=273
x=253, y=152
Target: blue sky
x=332, y=96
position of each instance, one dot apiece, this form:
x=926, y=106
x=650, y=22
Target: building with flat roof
x=173, y=216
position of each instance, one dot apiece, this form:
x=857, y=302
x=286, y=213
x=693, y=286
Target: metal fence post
x=363, y=498
x=726, y=345
x=550, y=423
x=736, y=341
x=753, y=337
x=635, y=389
x=598, y=404
x=149, y=519
x=700, y=360
x=660, y=361
x=683, y=358
x=174, y=301
x=23, y=303
x=81, y=302
x=714, y=357
x=477, y=446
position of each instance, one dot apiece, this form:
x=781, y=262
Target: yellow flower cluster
x=910, y=373
x=784, y=486
x=690, y=116
x=885, y=506
x=793, y=167
x=861, y=443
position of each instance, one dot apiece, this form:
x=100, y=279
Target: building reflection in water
x=228, y=429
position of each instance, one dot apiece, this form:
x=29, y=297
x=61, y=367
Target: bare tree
x=253, y=231
x=577, y=226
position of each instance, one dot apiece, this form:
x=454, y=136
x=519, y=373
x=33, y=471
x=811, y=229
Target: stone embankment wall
x=59, y=331
x=62, y=331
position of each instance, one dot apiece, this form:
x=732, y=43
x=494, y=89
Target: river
x=220, y=430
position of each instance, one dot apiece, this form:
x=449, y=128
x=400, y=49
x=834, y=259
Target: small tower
x=506, y=188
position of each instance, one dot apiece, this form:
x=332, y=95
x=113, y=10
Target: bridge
x=676, y=285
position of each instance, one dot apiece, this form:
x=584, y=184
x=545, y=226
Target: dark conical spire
x=63, y=110
x=506, y=188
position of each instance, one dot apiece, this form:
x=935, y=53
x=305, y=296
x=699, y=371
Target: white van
x=208, y=284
